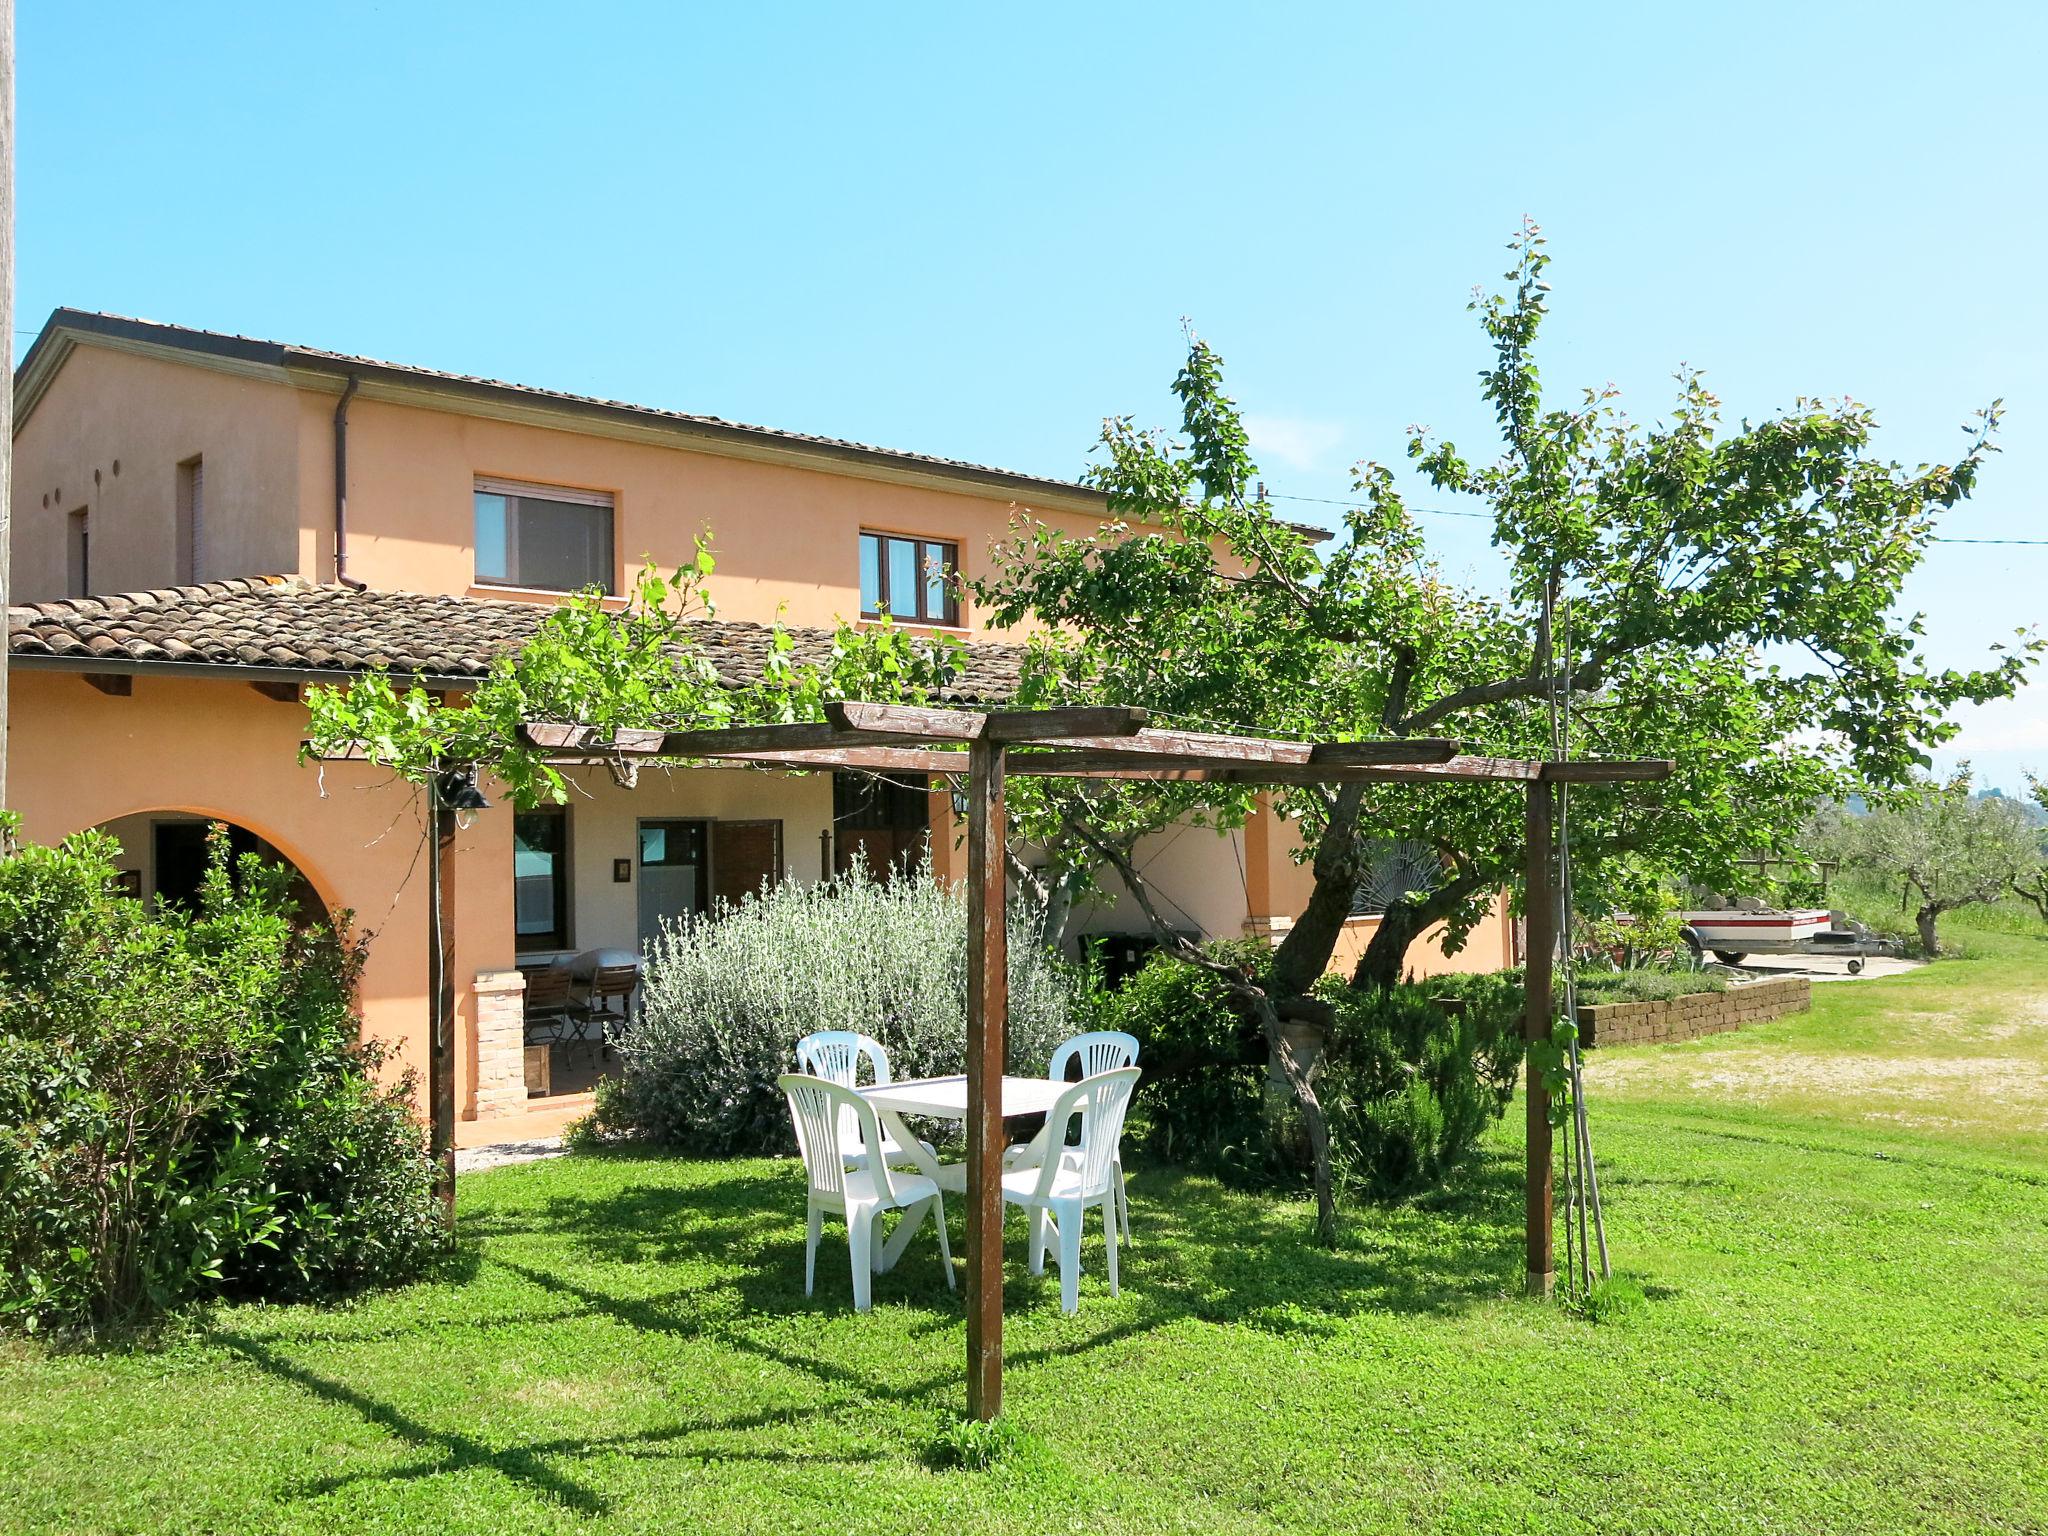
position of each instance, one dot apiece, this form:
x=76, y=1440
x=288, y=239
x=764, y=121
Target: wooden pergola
x=989, y=746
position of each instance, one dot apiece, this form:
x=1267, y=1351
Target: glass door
x=673, y=880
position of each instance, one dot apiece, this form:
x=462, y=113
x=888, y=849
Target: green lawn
x=1840, y=1221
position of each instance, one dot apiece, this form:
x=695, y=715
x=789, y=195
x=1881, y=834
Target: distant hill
x=2036, y=817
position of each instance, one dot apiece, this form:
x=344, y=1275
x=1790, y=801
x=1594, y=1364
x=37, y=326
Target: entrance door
x=745, y=857
x=672, y=874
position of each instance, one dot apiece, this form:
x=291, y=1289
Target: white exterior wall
x=1197, y=878
x=604, y=824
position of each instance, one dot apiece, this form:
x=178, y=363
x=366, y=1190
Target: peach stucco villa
x=203, y=524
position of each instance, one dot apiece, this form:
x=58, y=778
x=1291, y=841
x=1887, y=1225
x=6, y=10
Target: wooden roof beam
x=1022, y=725
x=1609, y=770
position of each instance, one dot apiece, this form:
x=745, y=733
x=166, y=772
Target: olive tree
x=1951, y=847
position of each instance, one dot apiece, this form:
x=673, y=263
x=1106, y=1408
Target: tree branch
x=1588, y=676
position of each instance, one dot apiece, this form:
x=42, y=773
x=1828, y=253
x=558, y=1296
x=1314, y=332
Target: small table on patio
x=945, y=1098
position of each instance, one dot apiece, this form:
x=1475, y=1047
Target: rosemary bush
x=726, y=997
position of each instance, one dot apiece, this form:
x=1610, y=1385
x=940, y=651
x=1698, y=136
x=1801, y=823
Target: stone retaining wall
x=1702, y=1013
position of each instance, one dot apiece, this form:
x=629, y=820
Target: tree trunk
x=2035, y=895
x=1301, y=1080
x=1305, y=953
x=1058, y=916
x=1300, y=1075
x=1379, y=968
x=1924, y=920
x=1403, y=923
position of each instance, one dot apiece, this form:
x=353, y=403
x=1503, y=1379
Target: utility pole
x=6, y=330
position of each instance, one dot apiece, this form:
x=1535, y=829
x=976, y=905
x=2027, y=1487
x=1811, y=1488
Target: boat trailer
x=1732, y=936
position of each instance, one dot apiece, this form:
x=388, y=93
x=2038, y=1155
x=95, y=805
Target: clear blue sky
x=974, y=233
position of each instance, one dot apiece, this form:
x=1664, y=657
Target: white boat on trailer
x=1733, y=935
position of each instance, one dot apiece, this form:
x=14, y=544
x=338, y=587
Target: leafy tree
x=1724, y=598
x=1721, y=598
x=1951, y=847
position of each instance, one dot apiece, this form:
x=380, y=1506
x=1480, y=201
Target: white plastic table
x=945, y=1098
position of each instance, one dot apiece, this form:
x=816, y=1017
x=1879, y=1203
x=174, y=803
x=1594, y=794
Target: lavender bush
x=726, y=997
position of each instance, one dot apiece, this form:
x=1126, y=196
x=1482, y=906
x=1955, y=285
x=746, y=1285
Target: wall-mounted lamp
x=460, y=792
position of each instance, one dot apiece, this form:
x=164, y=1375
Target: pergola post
x=441, y=997
x=1539, y=905
x=988, y=1009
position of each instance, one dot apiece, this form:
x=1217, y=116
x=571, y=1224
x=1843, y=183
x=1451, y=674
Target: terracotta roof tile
x=287, y=623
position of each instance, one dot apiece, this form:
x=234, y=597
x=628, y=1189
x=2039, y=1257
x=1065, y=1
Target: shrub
x=185, y=1107
x=1414, y=1075
x=1408, y=1087
x=1645, y=986
x=726, y=998
x=1201, y=1102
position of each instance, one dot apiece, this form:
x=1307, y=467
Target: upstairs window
x=543, y=536
x=909, y=578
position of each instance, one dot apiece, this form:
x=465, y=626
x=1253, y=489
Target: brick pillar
x=500, y=1045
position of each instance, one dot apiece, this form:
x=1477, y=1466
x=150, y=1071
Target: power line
x=1333, y=501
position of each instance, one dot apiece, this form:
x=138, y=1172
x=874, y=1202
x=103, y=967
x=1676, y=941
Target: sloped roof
x=289, y=626
x=65, y=326
x=224, y=349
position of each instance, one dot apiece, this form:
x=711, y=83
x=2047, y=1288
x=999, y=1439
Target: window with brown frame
x=911, y=579
x=545, y=537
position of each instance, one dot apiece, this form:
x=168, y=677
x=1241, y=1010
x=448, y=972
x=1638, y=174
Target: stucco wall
x=1199, y=880
x=1279, y=888
x=786, y=538
x=604, y=820
x=221, y=749
x=1488, y=947
x=106, y=406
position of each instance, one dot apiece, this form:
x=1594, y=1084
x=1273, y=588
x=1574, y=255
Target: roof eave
x=129, y=666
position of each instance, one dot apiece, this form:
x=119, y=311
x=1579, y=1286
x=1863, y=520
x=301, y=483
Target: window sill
x=919, y=626
x=506, y=592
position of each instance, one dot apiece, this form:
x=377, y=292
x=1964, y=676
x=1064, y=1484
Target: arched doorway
x=163, y=858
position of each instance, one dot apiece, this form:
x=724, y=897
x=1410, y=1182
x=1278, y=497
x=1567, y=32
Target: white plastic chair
x=834, y=1055
x=1062, y=1187
x=1102, y=1050
x=858, y=1195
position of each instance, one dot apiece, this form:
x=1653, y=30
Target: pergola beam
x=1021, y=725
x=896, y=739
x=1610, y=771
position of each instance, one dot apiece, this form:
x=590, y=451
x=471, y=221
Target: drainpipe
x=341, y=487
